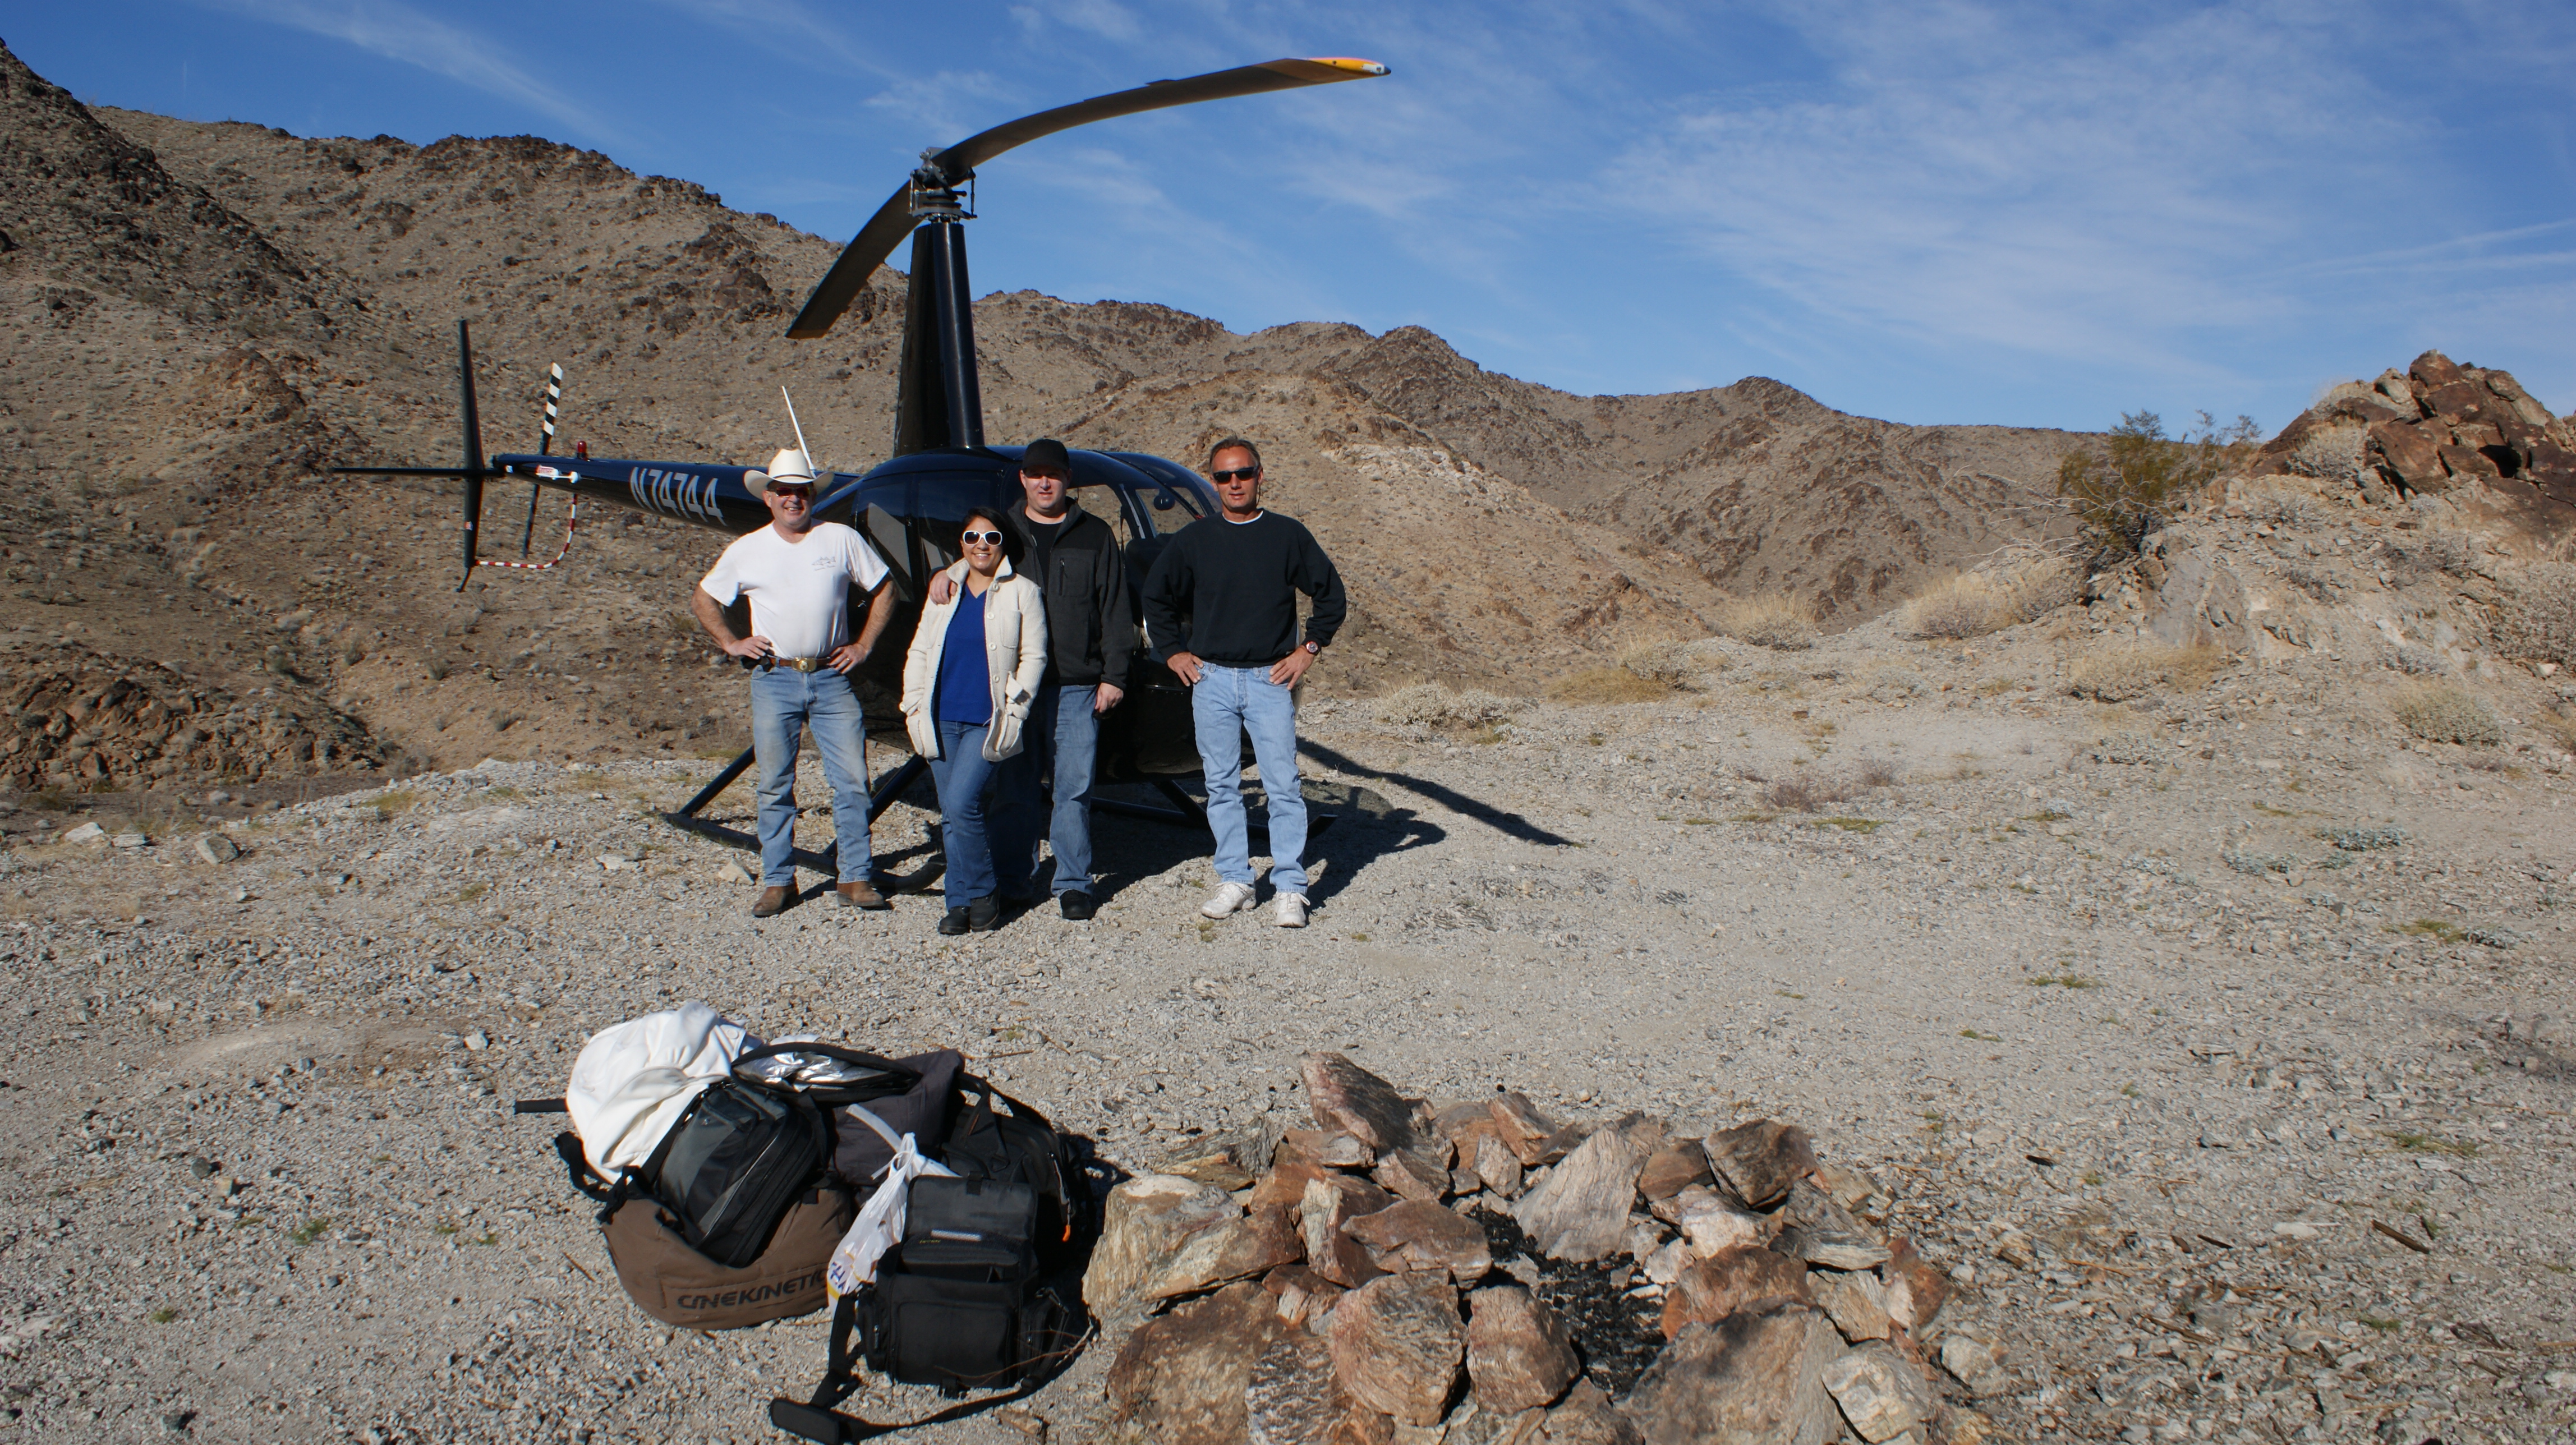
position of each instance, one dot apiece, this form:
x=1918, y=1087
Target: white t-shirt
x=800, y=591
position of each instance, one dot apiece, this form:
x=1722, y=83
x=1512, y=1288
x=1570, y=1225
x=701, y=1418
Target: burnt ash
x=1617, y=1336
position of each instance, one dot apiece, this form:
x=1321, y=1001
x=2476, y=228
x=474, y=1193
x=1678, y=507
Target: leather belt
x=804, y=664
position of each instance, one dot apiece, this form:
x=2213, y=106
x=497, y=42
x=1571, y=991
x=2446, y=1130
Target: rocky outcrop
x=2435, y=428
x=82, y=720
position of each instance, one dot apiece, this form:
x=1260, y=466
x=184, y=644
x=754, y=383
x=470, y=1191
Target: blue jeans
x=1228, y=703
x=963, y=777
x=784, y=702
x=1062, y=741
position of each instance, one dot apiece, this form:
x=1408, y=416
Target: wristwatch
x=1312, y=646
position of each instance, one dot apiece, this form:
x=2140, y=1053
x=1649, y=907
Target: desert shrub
x=1772, y=619
x=2422, y=661
x=2334, y=453
x=2129, y=479
x=1674, y=664
x=1961, y=606
x=1878, y=773
x=2282, y=508
x=2538, y=618
x=2455, y=553
x=1432, y=705
x=2128, y=672
x=2438, y=712
x=1607, y=684
x=2560, y=728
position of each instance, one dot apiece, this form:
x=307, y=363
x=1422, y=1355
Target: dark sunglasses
x=1239, y=474
x=989, y=538
x=802, y=494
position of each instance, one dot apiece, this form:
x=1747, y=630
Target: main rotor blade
x=893, y=221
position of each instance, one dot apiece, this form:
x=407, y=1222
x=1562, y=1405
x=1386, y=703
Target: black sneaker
x=953, y=922
x=984, y=914
x=1077, y=905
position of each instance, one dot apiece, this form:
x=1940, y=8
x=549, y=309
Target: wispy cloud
x=790, y=30
x=1104, y=18
x=398, y=32
x=949, y=106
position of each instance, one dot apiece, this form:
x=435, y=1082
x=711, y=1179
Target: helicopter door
x=884, y=531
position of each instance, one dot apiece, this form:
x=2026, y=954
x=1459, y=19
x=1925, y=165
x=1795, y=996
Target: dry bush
x=2335, y=453
x=2560, y=728
x=2129, y=672
x=1432, y=705
x=1878, y=773
x=1961, y=606
x=1773, y=619
x=2283, y=508
x=1674, y=664
x=2120, y=487
x=2538, y=618
x=1973, y=604
x=2438, y=712
x=1606, y=684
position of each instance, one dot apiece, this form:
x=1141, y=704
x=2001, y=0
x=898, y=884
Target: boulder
x=1916, y=1287
x=1586, y=1417
x=1976, y=1364
x=1855, y=1302
x=1330, y=1147
x=1329, y=1203
x=1421, y=1172
x=1293, y=1397
x=1497, y=1166
x=1146, y=1228
x=1580, y=1211
x=1712, y=1224
x=1820, y=1231
x=1760, y=1160
x=85, y=833
x=1518, y=1354
x=1521, y=1126
x=1845, y=1184
x=1231, y=1249
x=1418, y=1235
x=216, y=848
x=2408, y=453
x=2468, y=463
x=1753, y=1379
x=1881, y=1393
x=1181, y=1378
x=2432, y=370
x=1677, y=1165
x=1301, y=1293
x=1343, y=1096
x=1729, y=1282
x=1397, y=1344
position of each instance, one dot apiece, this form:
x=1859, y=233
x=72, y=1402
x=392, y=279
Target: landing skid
x=1185, y=811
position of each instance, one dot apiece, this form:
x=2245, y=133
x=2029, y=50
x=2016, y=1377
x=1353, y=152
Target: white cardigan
x=1015, y=658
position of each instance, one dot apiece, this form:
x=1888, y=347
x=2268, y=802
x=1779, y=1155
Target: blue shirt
x=964, y=692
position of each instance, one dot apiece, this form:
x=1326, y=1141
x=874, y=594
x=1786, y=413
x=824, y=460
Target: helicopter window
x=940, y=511
x=1170, y=510
x=884, y=532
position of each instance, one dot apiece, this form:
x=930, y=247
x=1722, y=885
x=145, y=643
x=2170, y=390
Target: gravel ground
x=2160, y=1069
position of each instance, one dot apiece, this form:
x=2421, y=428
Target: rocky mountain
x=202, y=317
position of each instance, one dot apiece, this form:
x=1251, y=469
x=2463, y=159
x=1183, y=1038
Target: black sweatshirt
x=1076, y=563
x=1239, y=581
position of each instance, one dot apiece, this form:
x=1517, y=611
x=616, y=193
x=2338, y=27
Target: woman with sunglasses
x=967, y=685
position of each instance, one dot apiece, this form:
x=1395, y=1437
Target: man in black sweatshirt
x=1235, y=577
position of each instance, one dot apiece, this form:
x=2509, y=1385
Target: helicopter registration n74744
x=688, y=495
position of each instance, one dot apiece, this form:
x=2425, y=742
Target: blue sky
x=1929, y=211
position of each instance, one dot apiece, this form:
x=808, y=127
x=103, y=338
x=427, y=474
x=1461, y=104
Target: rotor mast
x=940, y=401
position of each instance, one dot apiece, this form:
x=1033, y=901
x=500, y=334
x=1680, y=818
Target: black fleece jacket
x=1091, y=626
x=1239, y=581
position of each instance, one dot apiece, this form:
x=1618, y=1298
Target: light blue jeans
x=963, y=777
x=1228, y=703
x=784, y=703
x=1062, y=740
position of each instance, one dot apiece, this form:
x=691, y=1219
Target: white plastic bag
x=633, y=1080
x=879, y=1226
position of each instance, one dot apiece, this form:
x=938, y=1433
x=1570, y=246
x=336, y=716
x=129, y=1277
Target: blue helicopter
x=912, y=506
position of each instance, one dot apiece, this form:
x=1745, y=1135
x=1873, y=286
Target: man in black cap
x=1091, y=635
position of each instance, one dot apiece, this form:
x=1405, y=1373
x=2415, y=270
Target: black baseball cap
x=1045, y=454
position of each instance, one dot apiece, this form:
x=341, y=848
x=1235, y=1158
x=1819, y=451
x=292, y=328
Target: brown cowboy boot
x=772, y=902
x=861, y=894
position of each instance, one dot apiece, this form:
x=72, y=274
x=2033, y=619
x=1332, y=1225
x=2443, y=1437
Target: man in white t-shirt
x=798, y=574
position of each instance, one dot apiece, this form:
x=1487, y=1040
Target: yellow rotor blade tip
x=1343, y=62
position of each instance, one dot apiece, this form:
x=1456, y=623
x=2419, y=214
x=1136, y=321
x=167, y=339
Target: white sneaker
x=1228, y=898
x=1288, y=910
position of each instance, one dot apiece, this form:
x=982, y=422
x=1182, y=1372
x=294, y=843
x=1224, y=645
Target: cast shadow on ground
x=1510, y=825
